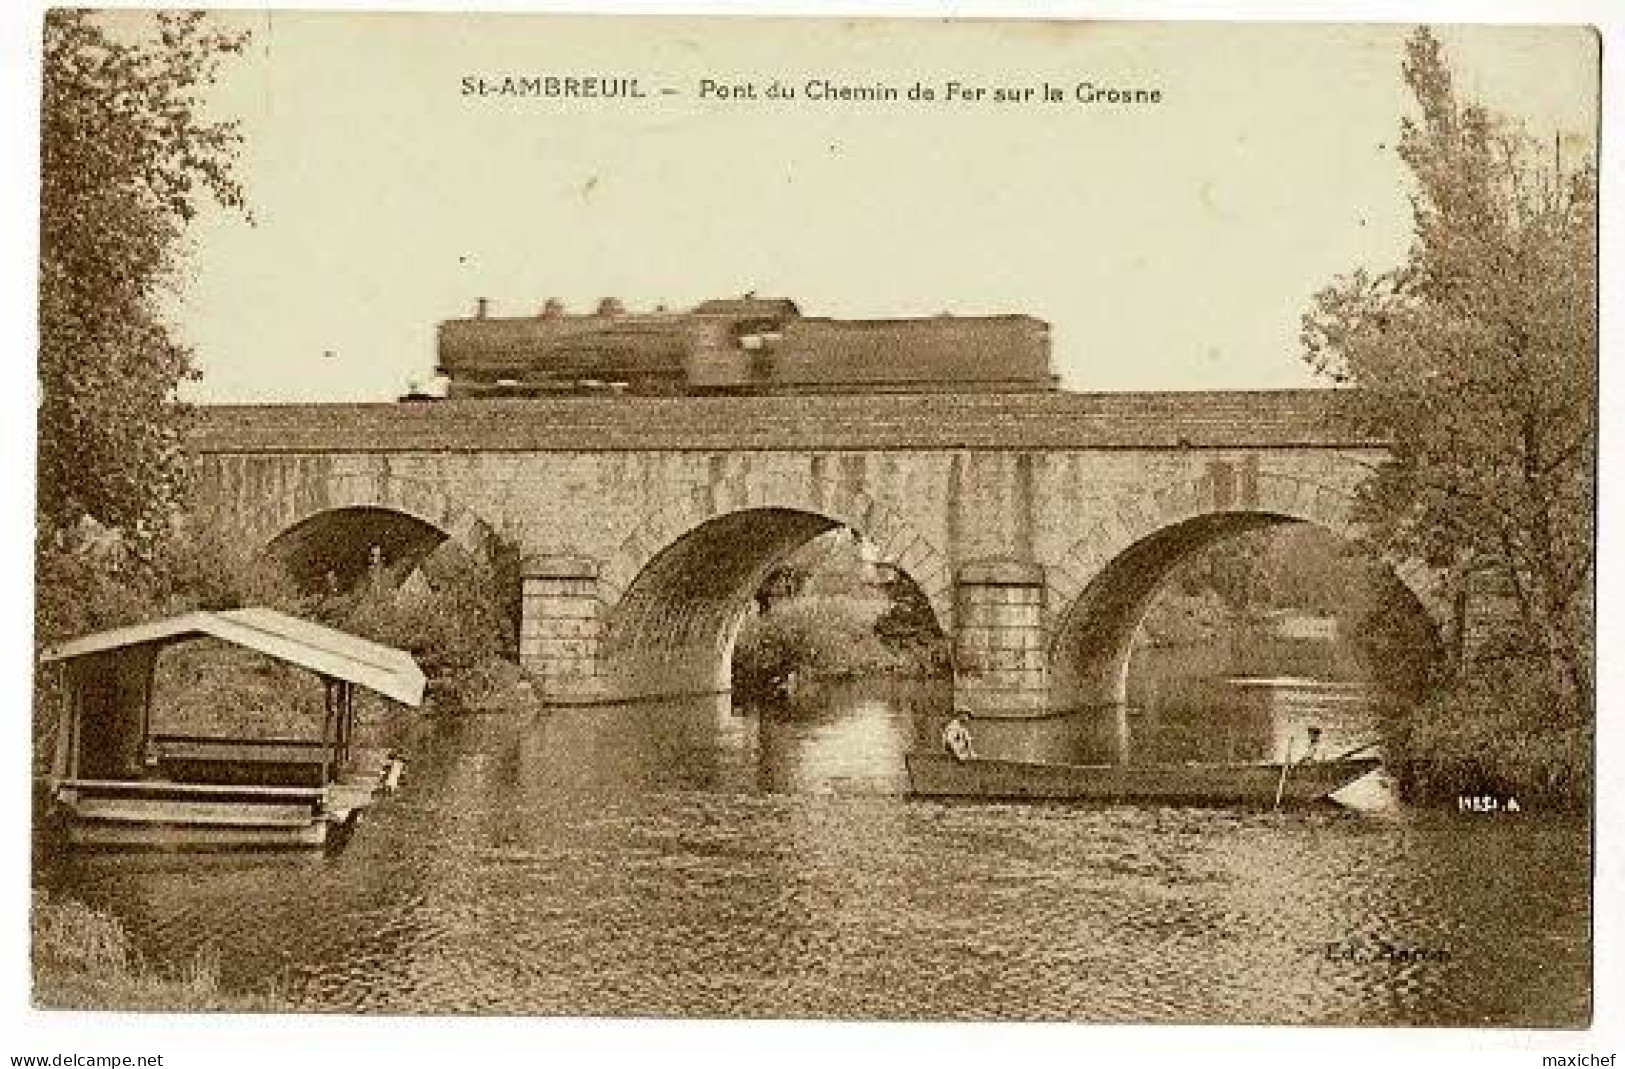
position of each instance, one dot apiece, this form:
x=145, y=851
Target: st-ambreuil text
x=565, y=86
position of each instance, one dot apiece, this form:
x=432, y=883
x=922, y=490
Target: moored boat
x=942, y=775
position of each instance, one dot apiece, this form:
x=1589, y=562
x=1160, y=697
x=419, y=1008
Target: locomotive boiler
x=747, y=345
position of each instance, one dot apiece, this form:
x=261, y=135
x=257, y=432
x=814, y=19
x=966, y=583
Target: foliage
x=1476, y=358
x=1234, y=570
x=449, y=625
x=1397, y=645
x=830, y=564
x=126, y=160
x=909, y=629
x=824, y=613
x=1183, y=616
x=208, y=687
x=806, y=639
x=1228, y=586
x=1502, y=731
x=457, y=618
x=85, y=584
x=197, y=567
x=91, y=579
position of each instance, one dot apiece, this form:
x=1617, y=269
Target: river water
x=690, y=858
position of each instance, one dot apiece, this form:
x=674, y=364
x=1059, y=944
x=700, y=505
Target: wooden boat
x=945, y=776
x=115, y=782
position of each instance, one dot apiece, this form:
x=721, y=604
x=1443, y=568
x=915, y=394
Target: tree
x=1477, y=358
x=1236, y=569
x=126, y=159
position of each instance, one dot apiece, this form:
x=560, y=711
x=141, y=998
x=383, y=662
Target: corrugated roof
x=324, y=650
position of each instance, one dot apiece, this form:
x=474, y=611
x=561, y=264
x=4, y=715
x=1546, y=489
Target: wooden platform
x=161, y=814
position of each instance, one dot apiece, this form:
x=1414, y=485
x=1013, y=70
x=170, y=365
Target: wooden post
x=64, y=764
x=329, y=725
x=149, y=664
x=346, y=723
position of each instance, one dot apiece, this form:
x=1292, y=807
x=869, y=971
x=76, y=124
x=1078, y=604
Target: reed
x=83, y=959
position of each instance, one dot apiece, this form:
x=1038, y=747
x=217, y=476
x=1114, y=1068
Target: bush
x=808, y=639
x=209, y=687
x=456, y=619
x=1177, y=618
x=1504, y=731
x=909, y=629
x=199, y=568
x=89, y=580
x=85, y=583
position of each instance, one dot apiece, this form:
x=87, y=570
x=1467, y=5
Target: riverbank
x=84, y=960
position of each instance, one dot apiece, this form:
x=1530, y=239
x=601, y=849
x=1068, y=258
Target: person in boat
x=956, y=737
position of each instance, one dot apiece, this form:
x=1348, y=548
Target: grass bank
x=1502, y=734
x=83, y=960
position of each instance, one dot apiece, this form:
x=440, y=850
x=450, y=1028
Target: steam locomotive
x=746, y=345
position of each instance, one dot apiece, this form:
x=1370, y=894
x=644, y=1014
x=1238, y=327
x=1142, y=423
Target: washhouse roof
x=320, y=649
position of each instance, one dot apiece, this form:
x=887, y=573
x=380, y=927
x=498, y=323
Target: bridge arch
x=333, y=530
x=1106, y=581
x=676, y=589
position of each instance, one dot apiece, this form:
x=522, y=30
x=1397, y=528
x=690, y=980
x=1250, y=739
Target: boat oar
x=1286, y=766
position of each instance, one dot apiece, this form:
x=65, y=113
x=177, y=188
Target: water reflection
x=693, y=857
x=1176, y=715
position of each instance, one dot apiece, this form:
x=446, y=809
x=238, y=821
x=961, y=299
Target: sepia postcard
x=832, y=518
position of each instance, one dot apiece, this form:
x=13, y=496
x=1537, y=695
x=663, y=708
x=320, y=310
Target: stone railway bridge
x=1038, y=525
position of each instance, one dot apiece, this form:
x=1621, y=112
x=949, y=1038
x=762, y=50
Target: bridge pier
x=561, y=627
x=999, y=650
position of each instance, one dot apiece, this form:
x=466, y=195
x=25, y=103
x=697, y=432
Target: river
x=692, y=858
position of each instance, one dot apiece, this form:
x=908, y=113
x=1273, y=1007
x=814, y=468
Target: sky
x=1170, y=246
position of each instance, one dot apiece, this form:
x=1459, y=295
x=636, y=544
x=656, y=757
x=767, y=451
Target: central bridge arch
x=676, y=589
